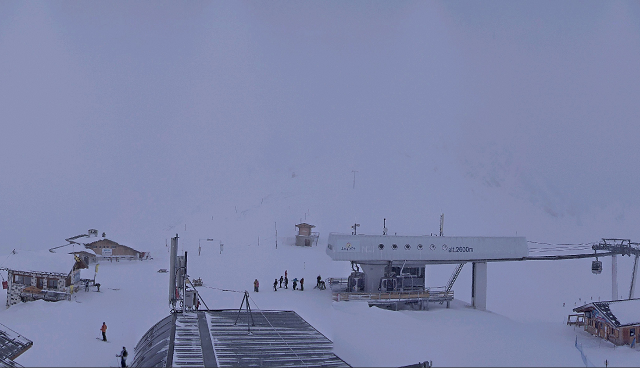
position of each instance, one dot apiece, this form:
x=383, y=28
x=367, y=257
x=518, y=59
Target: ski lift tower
x=177, y=277
x=617, y=246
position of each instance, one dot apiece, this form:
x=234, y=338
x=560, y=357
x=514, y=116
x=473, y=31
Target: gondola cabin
x=596, y=267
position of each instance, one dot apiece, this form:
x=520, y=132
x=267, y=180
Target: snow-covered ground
x=133, y=297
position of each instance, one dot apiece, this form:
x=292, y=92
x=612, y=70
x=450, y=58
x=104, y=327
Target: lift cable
x=560, y=247
x=543, y=243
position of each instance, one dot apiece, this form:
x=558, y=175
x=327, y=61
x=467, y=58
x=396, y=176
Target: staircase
x=453, y=277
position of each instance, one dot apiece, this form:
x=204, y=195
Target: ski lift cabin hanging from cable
x=596, y=266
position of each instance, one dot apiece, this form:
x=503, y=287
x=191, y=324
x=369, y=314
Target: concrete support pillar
x=479, y=285
x=373, y=274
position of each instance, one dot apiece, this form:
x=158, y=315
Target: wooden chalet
x=40, y=275
x=110, y=250
x=617, y=321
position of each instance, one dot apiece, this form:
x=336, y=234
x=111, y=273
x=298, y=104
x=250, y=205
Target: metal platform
x=226, y=338
x=393, y=300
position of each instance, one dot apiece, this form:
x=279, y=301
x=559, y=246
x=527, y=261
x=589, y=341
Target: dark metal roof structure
x=12, y=344
x=603, y=309
x=228, y=338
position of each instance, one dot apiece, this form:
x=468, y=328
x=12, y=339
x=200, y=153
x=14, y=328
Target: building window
x=394, y=246
x=407, y=246
x=40, y=283
x=632, y=332
x=52, y=284
x=381, y=246
x=21, y=279
x=419, y=246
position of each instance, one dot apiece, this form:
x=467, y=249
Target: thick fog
x=136, y=117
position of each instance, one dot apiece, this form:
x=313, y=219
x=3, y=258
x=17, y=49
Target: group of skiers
x=285, y=279
x=123, y=353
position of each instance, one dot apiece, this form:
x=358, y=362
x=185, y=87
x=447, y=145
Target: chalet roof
x=304, y=224
x=618, y=312
x=88, y=251
x=91, y=240
x=38, y=261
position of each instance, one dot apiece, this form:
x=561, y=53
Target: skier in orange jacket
x=104, y=331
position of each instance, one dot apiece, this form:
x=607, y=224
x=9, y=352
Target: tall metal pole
x=633, y=277
x=172, y=271
x=614, y=277
x=354, y=178
x=184, y=283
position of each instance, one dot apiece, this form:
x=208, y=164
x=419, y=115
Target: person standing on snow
x=295, y=283
x=275, y=285
x=281, y=278
x=104, y=331
x=123, y=357
x=302, y=284
x=286, y=282
x=256, y=285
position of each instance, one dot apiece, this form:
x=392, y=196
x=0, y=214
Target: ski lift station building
x=397, y=263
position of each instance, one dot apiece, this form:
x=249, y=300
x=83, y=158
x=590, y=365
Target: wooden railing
x=575, y=320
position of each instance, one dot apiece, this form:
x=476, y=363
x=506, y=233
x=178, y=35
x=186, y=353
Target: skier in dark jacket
x=123, y=357
x=295, y=283
x=256, y=285
x=281, y=279
x=275, y=285
x=302, y=284
x=286, y=282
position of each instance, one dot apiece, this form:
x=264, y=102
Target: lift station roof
x=229, y=338
x=427, y=249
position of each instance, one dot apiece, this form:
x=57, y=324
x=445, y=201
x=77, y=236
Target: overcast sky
x=129, y=116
